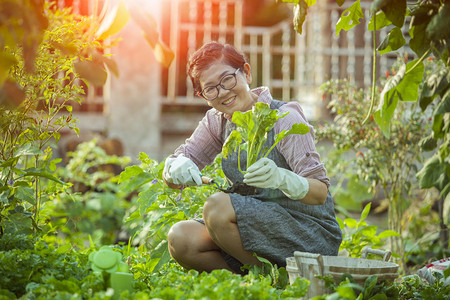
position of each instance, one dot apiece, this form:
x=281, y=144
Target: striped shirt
x=299, y=150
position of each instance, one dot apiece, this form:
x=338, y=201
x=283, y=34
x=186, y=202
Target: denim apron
x=272, y=225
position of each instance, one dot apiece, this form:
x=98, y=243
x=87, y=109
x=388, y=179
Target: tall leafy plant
x=157, y=207
x=30, y=127
x=386, y=165
x=429, y=32
x=251, y=132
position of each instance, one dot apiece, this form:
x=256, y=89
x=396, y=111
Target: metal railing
x=293, y=66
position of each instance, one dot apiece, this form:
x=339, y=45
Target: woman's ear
x=248, y=73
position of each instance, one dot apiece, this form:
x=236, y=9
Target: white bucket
x=312, y=264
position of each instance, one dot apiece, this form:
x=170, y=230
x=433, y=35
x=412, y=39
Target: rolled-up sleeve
x=205, y=142
x=300, y=150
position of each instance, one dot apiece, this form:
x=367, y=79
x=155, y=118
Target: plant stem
x=239, y=160
x=419, y=61
x=374, y=69
x=36, y=195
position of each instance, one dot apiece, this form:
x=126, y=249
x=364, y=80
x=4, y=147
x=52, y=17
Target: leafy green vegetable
x=251, y=132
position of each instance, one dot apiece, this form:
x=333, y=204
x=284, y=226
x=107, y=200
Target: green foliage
x=393, y=41
x=371, y=290
x=29, y=128
x=350, y=17
x=436, y=170
x=430, y=34
x=358, y=234
x=412, y=287
x=22, y=26
x=372, y=159
x=278, y=276
x=402, y=86
x=158, y=207
x=173, y=283
x=24, y=270
x=92, y=205
x=251, y=132
x=421, y=231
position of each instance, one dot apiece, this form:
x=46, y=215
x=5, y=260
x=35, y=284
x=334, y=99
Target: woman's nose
x=222, y=91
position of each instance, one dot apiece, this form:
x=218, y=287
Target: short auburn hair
x=209, y=54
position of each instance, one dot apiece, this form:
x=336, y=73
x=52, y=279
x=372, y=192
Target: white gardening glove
x=265, y=174
x=181, y=170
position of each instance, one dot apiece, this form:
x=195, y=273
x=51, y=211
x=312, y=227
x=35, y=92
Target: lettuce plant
x=251, y=132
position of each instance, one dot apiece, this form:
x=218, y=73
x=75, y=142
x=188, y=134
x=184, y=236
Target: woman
x=290, y=208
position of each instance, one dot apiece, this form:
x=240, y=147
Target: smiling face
x=238, y=98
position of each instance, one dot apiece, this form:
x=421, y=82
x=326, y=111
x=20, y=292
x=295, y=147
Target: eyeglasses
x=227, y=82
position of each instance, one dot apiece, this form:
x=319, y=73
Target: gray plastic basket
x=309, y=265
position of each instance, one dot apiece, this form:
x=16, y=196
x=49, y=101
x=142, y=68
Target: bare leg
x=220, y=220
x=192, y=247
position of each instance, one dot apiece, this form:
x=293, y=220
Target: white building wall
x=134, y=104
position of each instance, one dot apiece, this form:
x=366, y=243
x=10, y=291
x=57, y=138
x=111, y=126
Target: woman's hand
x=266, y=174
x=181, y=171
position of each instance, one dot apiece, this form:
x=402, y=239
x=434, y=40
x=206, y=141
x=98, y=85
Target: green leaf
x=18, y=223
x=300, y=12
x=392, y=41
x=352, y=223
x=93, y=72
x=384, y=115
x=341, y=223
x=112, y=65
x=408, y=87
x=130, y=172
x=163, y=54
x=25, y=194
x=162, y=252
x=419, y=41
x=27, y=149
x=379, y=297
x=404, y=86
x=433, y=174
x=8, y=163
x=231, y=144
x=437, y=126
x=444, y=106
x=251, y=131
x=297, y=128
x=369, y=231
x=388, y=102
x=350, y=17
x=439, y=26
x=446, y=211
x=114, y=21
x=132, y=184
x=387, y=233
x=435, y=84
x=369, y=284
x=428, y=143
x=147, y=198
x=41, y=173
x=346, y=292
x=381, y=21
x=340, y=2
x=63, y=249
x=377, y=5
x=6, y=62
x=395, y=12
x=365, y=211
